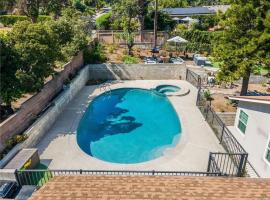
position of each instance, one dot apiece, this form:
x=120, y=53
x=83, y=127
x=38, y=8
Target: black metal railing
x=41, y=177
x=229, y=164
x=232, y=163
x=193, y=78
x=224, y=135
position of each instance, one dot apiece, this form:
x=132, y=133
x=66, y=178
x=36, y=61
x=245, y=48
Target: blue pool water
x=128, y=125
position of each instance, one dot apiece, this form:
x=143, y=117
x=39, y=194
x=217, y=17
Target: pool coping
x=63, y=133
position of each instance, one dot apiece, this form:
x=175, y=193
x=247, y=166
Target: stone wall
x=31, y=109
x=137, y=72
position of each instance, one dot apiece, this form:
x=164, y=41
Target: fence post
x=206, y=116
x=199, y=82
x=209, y=162
x=112, y=37
x=17, y=177
x=242, y=165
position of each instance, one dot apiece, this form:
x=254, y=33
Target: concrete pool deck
x=59, y=148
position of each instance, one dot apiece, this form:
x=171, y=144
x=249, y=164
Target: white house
x=252, y=130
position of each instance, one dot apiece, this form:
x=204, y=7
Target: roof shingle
x=153, y=187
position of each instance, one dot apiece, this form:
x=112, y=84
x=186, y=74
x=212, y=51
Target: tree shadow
x=103, y=118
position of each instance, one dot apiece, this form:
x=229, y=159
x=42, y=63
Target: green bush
x=130, y=59
x=10, y=20
x=199, y=41
x=103, y=22
x=95, y=55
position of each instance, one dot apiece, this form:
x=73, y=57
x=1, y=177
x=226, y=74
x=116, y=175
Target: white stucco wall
x=256, y=137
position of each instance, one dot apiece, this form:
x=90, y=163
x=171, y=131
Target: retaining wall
x=33, y=107
x=37, y=130
x=227, y=117
x=137, y=72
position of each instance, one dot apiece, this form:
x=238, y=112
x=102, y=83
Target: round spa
x=129, y=125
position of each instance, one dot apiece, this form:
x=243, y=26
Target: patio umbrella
x=177, y=40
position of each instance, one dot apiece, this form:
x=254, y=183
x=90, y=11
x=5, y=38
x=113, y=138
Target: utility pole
x=155, y=24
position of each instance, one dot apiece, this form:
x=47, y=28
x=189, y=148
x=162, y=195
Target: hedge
x=199, y=41
x=9, y=20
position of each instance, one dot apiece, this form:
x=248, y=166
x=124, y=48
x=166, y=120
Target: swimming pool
x=128, y=125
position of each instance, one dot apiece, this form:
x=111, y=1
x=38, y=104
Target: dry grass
x=221, y=103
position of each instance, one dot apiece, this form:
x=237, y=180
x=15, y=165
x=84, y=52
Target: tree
x=9, y=84
x=245, y=42
x=164, y=22
x=56, y=6
x=142, y=11
x=128, y=11
x=172, y=3
x=30, y=8
x=37, y=49
x=7, y=5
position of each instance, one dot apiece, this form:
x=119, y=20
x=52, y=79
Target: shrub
x=103, y=22
x=127, y=59
x=95, y=55
x=181, y=27
x=199, y=41
x=112, y=48
x=13, y=141
x=10, y=20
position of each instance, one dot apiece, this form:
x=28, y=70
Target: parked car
x=177, y=60
x=152, y=60
x=201, y=61
x=8, y=189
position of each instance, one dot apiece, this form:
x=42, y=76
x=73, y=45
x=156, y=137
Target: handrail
x=41, y=177
x=112, y=172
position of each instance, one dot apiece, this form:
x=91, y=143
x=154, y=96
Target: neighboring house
x=252, y=130
x=195, y=11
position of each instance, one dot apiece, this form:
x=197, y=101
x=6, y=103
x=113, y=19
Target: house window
x=242, y=123
x=268, y=153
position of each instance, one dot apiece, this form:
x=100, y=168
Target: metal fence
x=232, y=163
x=225, y=137
x=229, y=164
x=41, y=177
x=193, y=78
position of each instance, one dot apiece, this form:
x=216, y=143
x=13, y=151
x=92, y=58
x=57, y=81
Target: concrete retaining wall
x=42, y=125
x=7, y=175
x=33, y=107
x=37, y=130
x=255, y=79
x=30, y=109
x=136, y=72
x=227, y=117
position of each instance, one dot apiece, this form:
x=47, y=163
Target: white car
x=177, y=60
x=150, y=62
